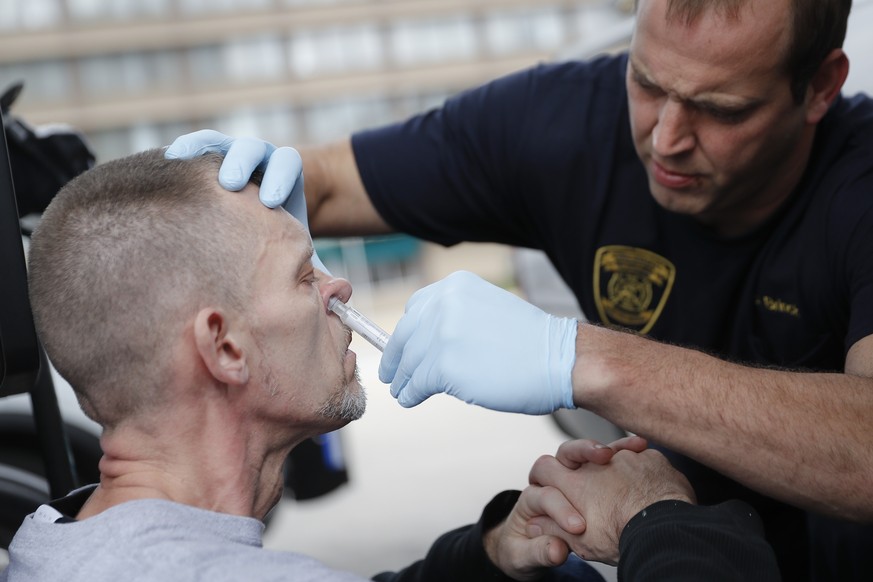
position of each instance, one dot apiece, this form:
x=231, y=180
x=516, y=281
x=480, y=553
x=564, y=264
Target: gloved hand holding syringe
x=360, y=324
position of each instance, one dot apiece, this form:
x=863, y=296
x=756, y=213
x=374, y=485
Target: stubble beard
x=348, y=403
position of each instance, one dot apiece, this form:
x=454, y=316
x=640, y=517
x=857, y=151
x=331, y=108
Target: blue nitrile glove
x=482, y=344
x=283, y=169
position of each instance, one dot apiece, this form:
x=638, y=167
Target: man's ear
x=218, y=348
x=826, y=84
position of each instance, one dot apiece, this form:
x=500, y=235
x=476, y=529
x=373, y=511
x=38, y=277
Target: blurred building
x=134, y=74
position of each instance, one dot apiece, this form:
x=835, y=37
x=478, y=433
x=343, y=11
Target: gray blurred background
x=134, y=74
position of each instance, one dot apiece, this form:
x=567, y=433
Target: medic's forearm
x=337, y=200
x=803, y=438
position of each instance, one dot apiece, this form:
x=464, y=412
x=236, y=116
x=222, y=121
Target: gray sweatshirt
x=153, y=540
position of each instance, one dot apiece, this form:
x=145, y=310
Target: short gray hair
x=124, y=256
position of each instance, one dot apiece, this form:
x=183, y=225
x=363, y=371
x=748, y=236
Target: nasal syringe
x=359, y=324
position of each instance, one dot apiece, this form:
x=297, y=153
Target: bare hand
x=608, y=496
x=522, y=557
x=573, y=454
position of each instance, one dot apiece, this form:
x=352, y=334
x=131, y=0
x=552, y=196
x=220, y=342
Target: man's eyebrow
x=729, y=103
x=638, y=72
x=305, y=258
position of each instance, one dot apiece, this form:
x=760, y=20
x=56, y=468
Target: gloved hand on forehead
x=482, y=344
x=282, y=184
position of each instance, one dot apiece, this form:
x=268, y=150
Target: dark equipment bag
x=43, y=158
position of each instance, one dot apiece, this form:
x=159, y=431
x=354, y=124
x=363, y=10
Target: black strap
x=72, y=504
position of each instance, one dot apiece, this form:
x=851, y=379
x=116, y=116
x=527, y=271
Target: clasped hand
x=553, y=516
x=607, y=491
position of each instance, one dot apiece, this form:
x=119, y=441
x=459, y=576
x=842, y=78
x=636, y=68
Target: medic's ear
x=219, y=349
x=826, y=84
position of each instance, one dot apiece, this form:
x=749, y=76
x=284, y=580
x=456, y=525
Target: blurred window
x=595, y=19
x=88, y=11
x=416, y=42
x=332, y=119
x=254, y=58
x=505, y=32
x=148, y=71
x=206, y=65
x=274, y=123
x=44, y=81
x=363, y=47
x=309, y=3
x=206, y=7
x=144, y=136
x=30, y=14
x=547, y=29
x=130, y=73
x=110, y=144
x=508, y=32
x=335, y=50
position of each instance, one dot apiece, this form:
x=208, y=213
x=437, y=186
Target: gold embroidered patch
x=631, y=286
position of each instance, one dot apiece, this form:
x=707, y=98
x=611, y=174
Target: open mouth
x=348, y=337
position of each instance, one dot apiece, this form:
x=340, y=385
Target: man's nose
x=333, y=287
x=673, y=133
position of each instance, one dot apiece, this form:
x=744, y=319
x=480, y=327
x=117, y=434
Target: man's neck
x=201, y=462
